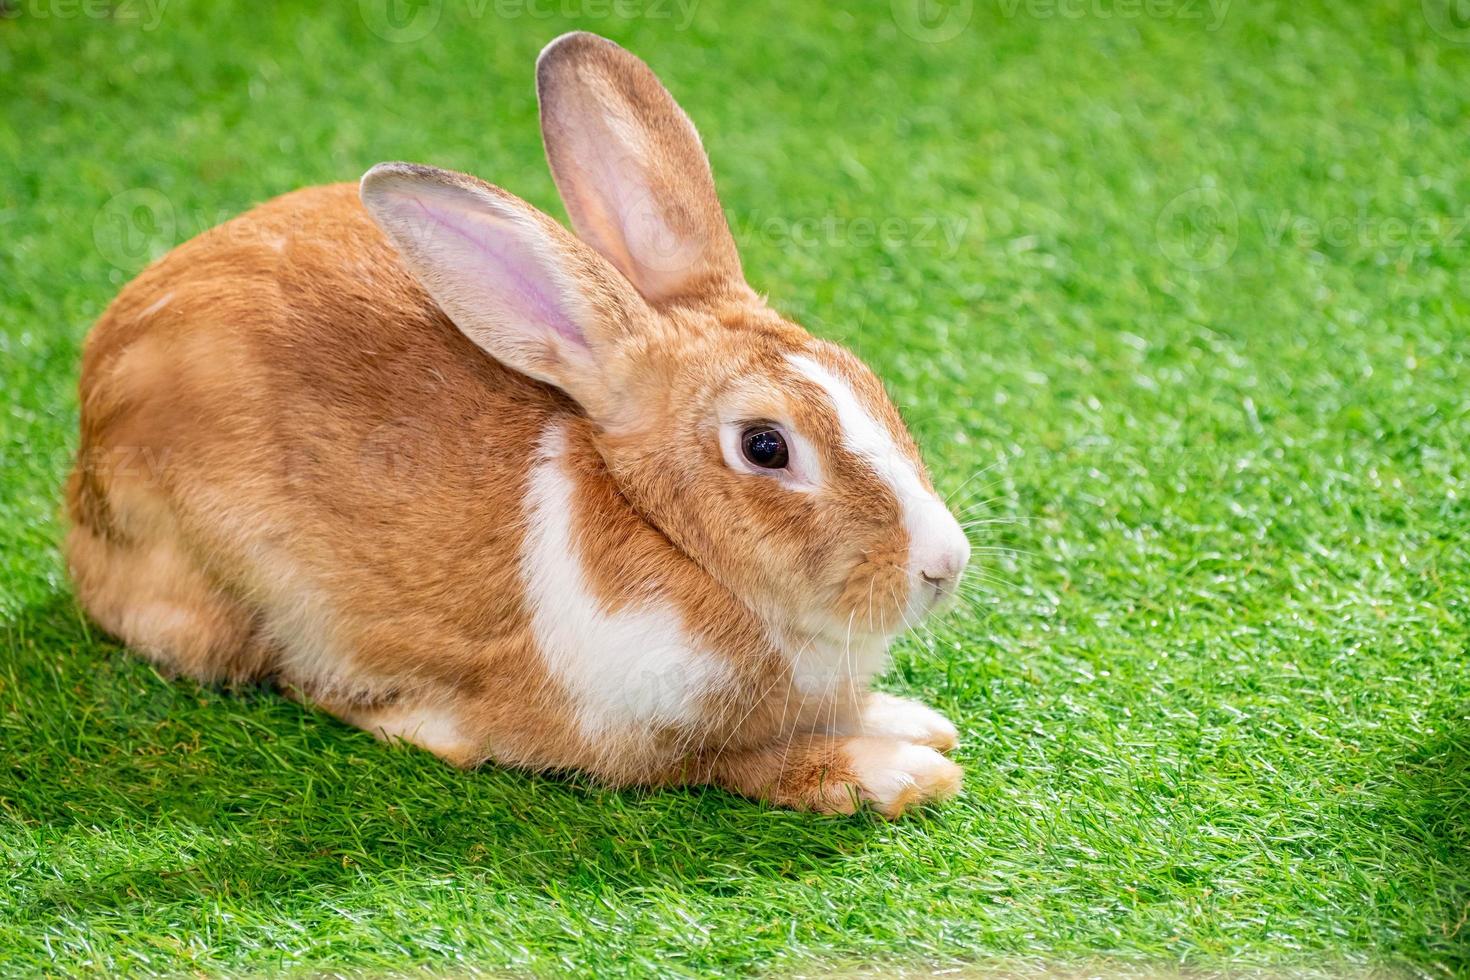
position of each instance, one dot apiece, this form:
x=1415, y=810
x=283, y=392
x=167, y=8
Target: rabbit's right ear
x=631, y=170
x=514, y=281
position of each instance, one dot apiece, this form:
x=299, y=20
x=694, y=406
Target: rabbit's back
x=287, y=447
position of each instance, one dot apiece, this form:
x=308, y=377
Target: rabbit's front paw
x=893, y=776
x=908, y=721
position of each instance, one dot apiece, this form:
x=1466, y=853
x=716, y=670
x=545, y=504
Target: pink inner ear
x=511, y=266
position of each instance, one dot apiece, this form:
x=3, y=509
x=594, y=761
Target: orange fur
x=295, y=466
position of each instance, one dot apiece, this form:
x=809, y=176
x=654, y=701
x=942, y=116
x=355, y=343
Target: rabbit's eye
x=765, y=447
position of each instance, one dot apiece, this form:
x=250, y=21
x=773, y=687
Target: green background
x=1175, y=299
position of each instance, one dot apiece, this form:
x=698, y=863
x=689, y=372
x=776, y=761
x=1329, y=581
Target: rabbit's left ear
x=515, y=282
x=632, y=172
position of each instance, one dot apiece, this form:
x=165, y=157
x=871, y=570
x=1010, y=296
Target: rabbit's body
x=298, y=464
x=374, y=499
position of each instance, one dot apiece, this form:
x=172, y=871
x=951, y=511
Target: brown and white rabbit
x=420, y=455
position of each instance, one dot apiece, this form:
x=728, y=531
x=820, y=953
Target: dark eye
x=764, y=447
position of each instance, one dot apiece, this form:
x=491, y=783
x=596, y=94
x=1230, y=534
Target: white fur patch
x=897, y=775
x=434, y=729
x=630, y=670
x=862, y=434
x=824, y=663
x=156, y=305
x=908, y=721
x=935, y=537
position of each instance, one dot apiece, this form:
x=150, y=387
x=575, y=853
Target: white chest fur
x=823, y=665
x=627, y=671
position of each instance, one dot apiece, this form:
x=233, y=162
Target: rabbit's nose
x=944, y=571
x=941, y=559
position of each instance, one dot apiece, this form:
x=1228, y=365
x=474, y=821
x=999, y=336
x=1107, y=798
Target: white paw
x=434, y=729
x=909, y=721
x=894, y=776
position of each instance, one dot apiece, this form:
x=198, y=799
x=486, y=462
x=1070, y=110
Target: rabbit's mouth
x=932, y=596
x=933, y=592
x=894, y=589
x=874, y=597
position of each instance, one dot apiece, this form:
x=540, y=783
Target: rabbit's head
x=775, y=461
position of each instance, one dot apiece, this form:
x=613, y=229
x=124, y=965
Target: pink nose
x=938, y=548
x=943, y=571
x=943, y=566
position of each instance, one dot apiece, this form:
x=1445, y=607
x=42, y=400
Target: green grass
x=1201, y=318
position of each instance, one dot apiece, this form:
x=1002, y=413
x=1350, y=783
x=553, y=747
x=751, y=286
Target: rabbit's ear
x=512, y=279
x=631, y=170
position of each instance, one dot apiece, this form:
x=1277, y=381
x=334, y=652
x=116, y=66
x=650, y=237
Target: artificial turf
x=1174, y=295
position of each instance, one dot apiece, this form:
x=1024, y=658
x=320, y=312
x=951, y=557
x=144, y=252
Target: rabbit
x=419, y=456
